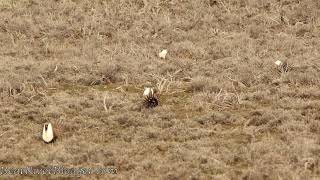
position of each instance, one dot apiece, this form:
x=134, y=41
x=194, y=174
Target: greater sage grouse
x=150, y=100
x=163, y=54
x=47, y=133
x=282, y=66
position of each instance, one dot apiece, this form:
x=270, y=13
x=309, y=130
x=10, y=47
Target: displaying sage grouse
x=150, y=100
x=47, y=133
x=282, y=67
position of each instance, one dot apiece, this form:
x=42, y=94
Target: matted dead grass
x=225, y=110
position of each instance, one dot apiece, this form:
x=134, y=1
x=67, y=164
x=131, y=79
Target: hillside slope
x=225, y=111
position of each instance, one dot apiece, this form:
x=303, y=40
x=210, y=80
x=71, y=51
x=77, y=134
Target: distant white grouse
x=163, y=54
x=282, y=66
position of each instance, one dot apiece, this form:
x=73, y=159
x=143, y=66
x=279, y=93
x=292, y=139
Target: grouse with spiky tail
x=150, y=100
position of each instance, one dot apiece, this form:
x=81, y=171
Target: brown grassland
x=225, y=110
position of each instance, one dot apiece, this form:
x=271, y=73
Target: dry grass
x=225, y=111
